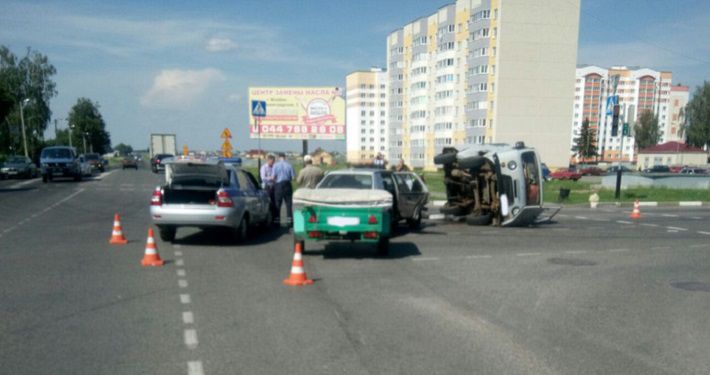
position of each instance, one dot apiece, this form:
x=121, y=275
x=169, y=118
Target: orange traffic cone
x=298, y=275
x=117, y=233
x=636, y=213
x=151, y=257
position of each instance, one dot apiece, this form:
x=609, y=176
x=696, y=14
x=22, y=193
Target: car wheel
x=269, y=220
x=241, y=233
x=452, y=210
x=383, y=246
x=167, y=233
x=472, y=162
x=484, y=219
x=45, y=178
x=416, y=221
x=78, y=177
x=446, y=158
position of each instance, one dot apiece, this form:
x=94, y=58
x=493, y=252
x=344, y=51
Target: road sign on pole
x=258, y=108
x=226, y=145
x=226, y=134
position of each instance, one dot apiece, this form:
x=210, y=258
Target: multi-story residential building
x=366, y=126
x=483, y=71
x=639, y=89
x=680, y=95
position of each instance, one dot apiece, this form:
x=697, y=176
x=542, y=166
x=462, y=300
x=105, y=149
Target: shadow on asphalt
x=359, y=250
x=220, y=237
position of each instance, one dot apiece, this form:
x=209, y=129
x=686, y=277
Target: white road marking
x=178, y=253
x=177, y=246
x=23, y=183
x=191, y=338
x=672, y=231
x=676, y=228
x=575, y=251
x=581, y=217
x=47, y=209
x=623, y=222
x=696, y=217
x=660, y=248
x=479, y=256
x=182, y=283
x=601, y=220
x=648, y=204
x=649, y=224
x=180, y=272
x=527, y=254
x=179, y=262
x=438, y=203
x=102, y=175
x=437, y=217
x=188, y=317
x=698, y=246
x=690, y=203
x=618, y=250
x=425, y=258
x=705, y=233
x=194, y=368
x=185, y=299
x=669, y=215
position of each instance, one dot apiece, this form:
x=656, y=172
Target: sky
x=184, y=67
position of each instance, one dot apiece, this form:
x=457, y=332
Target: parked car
x=129, y=161
x=545, y=172
x=96, y=162
x=676, y=168
x=658, y=169
x=86, y=169
x=565, y=174
x=18, y=166
x=615, y=168
x=591, y=171
x=206, y=193
x=60, y=161
x=692, y=171
x=156, y=163
x=359, y=204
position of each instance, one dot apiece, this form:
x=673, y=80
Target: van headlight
x=512, y=165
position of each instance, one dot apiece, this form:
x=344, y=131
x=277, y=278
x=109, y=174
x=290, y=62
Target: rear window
x=57, y=153
x=346, y=181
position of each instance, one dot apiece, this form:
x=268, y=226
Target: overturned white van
x=496, y=184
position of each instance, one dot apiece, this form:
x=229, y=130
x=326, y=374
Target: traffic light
x=615, y=121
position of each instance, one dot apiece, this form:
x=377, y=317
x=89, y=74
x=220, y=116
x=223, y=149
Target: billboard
x=298, y=113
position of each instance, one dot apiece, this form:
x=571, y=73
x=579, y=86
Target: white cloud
x=220, y=45
x=179, y=89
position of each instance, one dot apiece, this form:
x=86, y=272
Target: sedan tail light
x=223, y=199
x=157, y=198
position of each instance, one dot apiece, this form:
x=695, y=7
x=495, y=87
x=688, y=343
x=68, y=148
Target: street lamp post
x=83, y=138
x=71, y=126
x=22, y=122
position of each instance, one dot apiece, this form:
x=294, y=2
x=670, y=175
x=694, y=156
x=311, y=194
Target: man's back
x=309, y=176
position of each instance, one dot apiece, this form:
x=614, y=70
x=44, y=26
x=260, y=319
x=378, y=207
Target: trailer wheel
x=383, y=246
x=484, y=219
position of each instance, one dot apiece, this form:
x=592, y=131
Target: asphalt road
x=592, y=293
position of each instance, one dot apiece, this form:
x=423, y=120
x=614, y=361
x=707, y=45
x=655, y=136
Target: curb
x=647, y=204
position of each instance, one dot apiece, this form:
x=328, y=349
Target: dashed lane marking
x=194, y=368
x=623, y=222
x=191, y=338
x=705, y=233
x=425, y=258
x=177, y=246
x=649, y=225
x=23, y=183
x=179, y=262
x=698, y=246
x=47, y=209
x=185, y=299
x=180, y=272
x=182, y=283
x=677, y=229
x=575, y=251
x=669, y=215
x=696, y=218
x=478, y=256
x=581, y=217
x=527, y=254
x=672, y=231
x=178, y=253
x=188, y=317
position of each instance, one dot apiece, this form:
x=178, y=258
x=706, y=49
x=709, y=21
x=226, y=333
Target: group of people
x=276, y=178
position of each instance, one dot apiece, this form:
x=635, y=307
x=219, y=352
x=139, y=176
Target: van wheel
x=484, y=219
x=383, y=246
x=167, y=233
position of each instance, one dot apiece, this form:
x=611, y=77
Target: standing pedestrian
x=401, y=166
x=379, y=161
x=268, y=181
x=310, y=175
x=283, y=175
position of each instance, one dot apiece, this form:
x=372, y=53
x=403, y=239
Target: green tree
x=585, y=146
x=646, y=130
x=87, y=123
x=697, y=117
x=123, y=149
x=25, y=78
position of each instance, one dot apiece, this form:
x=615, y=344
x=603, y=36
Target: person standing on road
x=283, y=175
x=268, y=181
x=310, y=175
x=379, y=161
x=401, y=167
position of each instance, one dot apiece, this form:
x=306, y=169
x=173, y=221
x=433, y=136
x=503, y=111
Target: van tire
x=472, y=162
x=484, y=219
x=445, y=158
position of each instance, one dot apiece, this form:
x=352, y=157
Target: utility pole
x=22, y=121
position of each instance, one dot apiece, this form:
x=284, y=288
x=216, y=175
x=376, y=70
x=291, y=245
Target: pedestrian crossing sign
x=258, y=108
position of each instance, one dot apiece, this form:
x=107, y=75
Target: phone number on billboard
x=299, y=129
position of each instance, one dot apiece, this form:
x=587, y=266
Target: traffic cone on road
x=298, y=275
x=117, y=233
x=151, y=257
x=636, y=213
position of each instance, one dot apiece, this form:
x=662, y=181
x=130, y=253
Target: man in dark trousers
x=267, y=182
x=283, y=175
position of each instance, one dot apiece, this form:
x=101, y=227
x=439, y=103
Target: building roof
x=672, y=148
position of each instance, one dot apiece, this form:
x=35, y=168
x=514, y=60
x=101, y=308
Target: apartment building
x=366, y=119
x=483, y=71
x=680, y=95
x=639, y=89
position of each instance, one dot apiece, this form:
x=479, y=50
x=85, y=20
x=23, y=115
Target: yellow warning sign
x=226, y=134
x=226, y=149
x=184, y=150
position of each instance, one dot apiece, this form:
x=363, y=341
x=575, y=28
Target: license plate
x=340, y=221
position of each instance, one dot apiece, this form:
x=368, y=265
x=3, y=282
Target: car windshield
x=346, y=181
x=57, y=153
